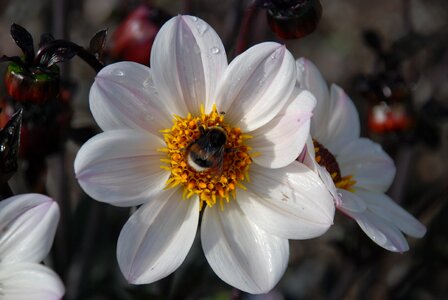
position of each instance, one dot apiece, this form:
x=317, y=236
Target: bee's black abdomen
x=200, y=161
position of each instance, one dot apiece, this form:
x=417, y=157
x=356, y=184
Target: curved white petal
x=256, y=85
x=370, y=166
x=309, y=77
x=291, y=202
x=121, y=167
x=308, y=158
x=28, y=224
x=187, y=59
x=239, y=252
x=308, y=155
x=381, y=231
x=342, y=126
x=329, y=183
x=123, y=96
x=351, y=202
x=280, y=141
x=383, y=206
x=29, y=281
x=157, y=237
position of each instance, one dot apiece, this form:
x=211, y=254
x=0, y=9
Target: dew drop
x=118, y=72
x=195, y=19
x=301, y=65
x=147, y=82
x=201, y=27
x=215, y=50
x=274, y=55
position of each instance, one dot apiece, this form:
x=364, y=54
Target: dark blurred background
x=390, y=56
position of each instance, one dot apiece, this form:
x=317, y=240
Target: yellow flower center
x=204, y=165
x=327, y=160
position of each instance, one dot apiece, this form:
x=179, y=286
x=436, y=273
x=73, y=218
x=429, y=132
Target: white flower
x=356, y=170
x=152, y=116
x=27, y=226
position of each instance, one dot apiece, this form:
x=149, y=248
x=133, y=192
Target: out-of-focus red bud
x=293, y=19
x=36, y=85
x=384, y=118
x=133, y=38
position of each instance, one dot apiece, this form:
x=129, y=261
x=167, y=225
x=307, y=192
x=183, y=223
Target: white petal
x=329, y=183
x=121, y=167
x=188, y=59
x=385, y=207
x=30, y=281
x=239, y=252
x=342, y=126
x=307, y=157
x=309, y=77
x=351, y=202
x=157, y=237
x=291, y=202
x=256, y=85
x=370, y=166
x=28, y=223
x=280, y=141
x=123, y=96
x=381, y=231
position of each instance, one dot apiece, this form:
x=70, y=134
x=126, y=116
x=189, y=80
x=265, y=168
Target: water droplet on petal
x=215, y=50
x=118, y=72
x=301, y=65
x=147, y=82
x=195, y=19
x=202, y=27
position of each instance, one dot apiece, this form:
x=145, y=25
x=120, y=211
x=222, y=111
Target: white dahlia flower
x=356, y=170
x=193, y=134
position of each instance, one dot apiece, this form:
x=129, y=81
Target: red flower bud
x=293, y=19
x=133, y=38
x=35, y=84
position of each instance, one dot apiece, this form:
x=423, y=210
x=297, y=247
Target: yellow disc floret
x=212, y=185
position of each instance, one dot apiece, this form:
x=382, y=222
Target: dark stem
x=5, y=191
x=236, y=294
x=245, y=29
x=83, y=262
x=57, y=169
x=188, y=7
x=407, y=15
x=85, y=55
x=403, y=163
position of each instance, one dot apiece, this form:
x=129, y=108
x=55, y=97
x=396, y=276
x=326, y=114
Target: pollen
x=213, y=185
x=327, y=160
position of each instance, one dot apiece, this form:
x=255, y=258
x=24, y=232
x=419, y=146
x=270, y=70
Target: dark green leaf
x=9, y=146
x=24, y=40
x=97, y=44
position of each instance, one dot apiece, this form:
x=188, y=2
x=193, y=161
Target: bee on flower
x=195, y=136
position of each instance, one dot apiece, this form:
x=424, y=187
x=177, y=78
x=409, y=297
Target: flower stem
x=243, y=36
x=5, y=191
x=85, y=55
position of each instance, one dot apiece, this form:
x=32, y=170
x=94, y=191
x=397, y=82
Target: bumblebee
x=207, y=151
